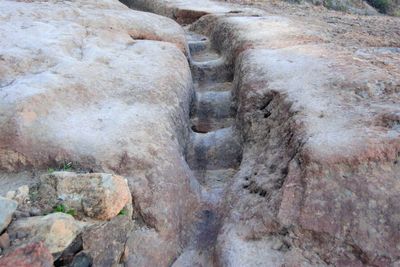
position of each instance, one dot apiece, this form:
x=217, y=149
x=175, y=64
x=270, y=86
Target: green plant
x=67, y=166
x=50, y=170
x=64, y=209
x=123, y=212
x=71, y=212
x=60, y=208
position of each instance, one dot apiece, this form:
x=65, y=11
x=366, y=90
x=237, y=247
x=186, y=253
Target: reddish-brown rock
x=31, y=255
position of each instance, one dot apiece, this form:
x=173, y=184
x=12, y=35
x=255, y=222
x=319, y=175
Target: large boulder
x=30, y=255
x=96, y=195
x=318, y=183
x=90, y=82
x=57, y=231
x=7, y=209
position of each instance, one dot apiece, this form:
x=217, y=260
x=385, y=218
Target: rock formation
x=246, y=138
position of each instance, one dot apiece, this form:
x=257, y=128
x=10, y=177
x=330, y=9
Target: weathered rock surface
x=184, y=11
x=7, y=209
x=96, y=195
x=90, y=82
x=319, y=175
x=156, y=251
x=56, y=231
x=314, y=158
x=316, y=131
x=96, y=241
x=31, y=255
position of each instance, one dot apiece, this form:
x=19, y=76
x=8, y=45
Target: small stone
x=277, y=245
x=7, y=209
x=4, y=241
x=31, y=255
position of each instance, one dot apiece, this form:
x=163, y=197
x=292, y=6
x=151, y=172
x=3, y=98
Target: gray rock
x=7, y=209
x=82, y=259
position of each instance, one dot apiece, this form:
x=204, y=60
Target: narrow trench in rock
x=214, y=152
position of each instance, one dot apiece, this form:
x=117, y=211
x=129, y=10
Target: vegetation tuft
x=66, y=166
x=123, y=212
x=64, y=209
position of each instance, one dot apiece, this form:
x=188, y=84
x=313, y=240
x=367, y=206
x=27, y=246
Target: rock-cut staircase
x=214, y=152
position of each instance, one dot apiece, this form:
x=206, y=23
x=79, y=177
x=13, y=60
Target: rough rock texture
x=56, y=230
x=20, y=195
x=316, y=130
x=155, y=253
x=97, y=195
x=31, y=255
x=90, y=82
x=320, y=158
x=319, y=174
x=184, y=12
x=7, y=209
x=96, y=241
x=360, y=7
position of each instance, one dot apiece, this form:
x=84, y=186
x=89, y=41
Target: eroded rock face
x=31, y=255
x=318, y=126
x=91, y=82
x=56, y=231
x=314, y=160
x=96, y=195
x=321, y=144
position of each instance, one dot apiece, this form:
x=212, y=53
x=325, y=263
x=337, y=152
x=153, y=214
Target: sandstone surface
x=274, y=140
x=90, y=83
x=321, y=145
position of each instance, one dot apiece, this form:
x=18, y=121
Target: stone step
x=214, y=150
x=208, y=125
x=207, y=55
x=212, y=110
x=210, y=71
x=197, y=42
x=205, y=87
